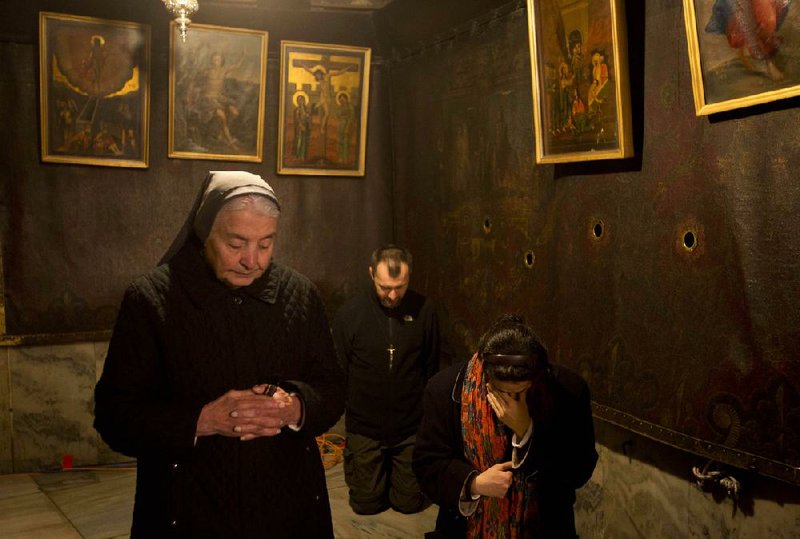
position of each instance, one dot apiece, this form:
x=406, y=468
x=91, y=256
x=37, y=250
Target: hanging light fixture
x=181, y=10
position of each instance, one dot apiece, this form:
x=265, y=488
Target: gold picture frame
x=94, y=91
x=580, y=83
x=322, y=124
x=217, y=88
x=731, y=68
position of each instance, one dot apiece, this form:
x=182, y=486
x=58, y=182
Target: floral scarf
x=487, y=441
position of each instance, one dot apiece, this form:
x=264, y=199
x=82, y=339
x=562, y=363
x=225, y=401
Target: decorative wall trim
x=54, y=338
x=733, y=457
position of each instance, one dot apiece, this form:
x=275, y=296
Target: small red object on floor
x=66, y=462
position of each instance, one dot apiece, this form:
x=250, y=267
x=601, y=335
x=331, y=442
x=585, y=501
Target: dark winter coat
x=561, y=459
x=182, y=340
x=384, y=401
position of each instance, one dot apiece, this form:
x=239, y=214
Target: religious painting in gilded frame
x=323, y=109
x=217, y=86
x=742, y=53
x=94, y=91
x=579, y=71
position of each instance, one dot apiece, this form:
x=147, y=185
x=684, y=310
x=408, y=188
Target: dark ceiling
x=399, y=25
x=304, y=5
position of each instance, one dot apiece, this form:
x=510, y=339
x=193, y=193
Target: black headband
x=510, y=360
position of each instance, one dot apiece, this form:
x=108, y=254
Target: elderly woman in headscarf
x=220, y=373
x=505, y=440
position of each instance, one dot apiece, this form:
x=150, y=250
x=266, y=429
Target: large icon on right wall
x=742, y=52
x=579, y=70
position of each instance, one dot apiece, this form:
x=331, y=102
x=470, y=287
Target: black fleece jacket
x=384, y=390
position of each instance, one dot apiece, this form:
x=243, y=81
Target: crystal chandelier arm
x=181, y=10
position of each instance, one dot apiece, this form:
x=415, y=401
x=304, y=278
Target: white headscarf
x=218, y=188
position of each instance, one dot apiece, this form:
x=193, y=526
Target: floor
x=97, y=503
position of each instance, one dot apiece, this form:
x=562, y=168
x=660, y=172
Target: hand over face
x=509, y=402
x=249, y=413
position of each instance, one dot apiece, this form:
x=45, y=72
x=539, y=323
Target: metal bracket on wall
x=733, y=457
x=710, y=479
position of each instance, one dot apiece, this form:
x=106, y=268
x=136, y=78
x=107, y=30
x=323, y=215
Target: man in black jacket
x=387, y=341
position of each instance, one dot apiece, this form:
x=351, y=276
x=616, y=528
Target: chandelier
x=181, y=10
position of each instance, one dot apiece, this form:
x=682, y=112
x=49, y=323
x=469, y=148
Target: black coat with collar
x=560, y=460
x=384, y=400
x=183, y=339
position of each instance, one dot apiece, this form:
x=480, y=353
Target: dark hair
x=394, y=256
x=510, y=335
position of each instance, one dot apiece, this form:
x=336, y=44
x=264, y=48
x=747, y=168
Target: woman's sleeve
x=321, y=382
x=440, y=468
x=566, y=456
x=133, y=412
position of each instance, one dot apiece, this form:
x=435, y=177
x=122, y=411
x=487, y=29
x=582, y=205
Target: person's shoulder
x=287, y=285
x=417, y=296
x=286, y=275
x=154, y=282
x=568, y=379
x=446, y=377
x=417, y=304
x=149, y=290
x=426, y=302
x=352, y=310
x=283, y=272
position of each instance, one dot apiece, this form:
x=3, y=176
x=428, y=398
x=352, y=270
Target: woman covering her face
x=505, y=440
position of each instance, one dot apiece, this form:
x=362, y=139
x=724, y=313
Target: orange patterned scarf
x=487, y=442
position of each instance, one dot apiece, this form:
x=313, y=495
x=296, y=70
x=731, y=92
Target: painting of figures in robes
x=579, y=71
x=94, y=77
x=217, y=86
x=323, y=109
x=742, y=52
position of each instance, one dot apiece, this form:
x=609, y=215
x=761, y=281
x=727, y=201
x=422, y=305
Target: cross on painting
x=323, y=109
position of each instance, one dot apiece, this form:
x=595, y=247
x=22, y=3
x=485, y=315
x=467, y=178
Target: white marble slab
x=641, y=488
x=52, y=391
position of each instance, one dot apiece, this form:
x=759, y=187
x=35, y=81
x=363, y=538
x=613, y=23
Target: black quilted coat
x=181, y=340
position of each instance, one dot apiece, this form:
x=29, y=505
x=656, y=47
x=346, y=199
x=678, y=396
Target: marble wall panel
x=52, y=395
x=6, y=455
x=642, y=488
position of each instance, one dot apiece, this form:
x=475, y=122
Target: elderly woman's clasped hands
x=247, y=414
